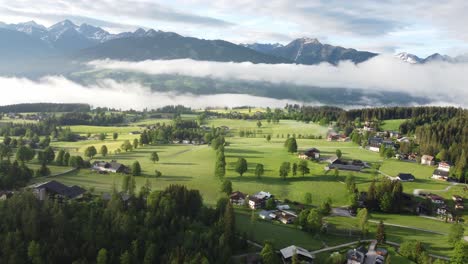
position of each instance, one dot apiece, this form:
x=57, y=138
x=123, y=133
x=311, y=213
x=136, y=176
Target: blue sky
x=386, y=26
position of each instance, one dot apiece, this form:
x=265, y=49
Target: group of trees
x=179, y=130
x=302, y=167
x=385, y=196
x=170, y=226
x=220, y=164
x=311, y=220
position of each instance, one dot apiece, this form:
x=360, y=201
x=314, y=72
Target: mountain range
x=436, y=57
x=65, y=41
x=311, y=51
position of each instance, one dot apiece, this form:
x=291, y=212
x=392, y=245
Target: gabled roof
x=441, y=173
x=61, y=189
x=237, y=195
x=405, y=176
x=288, y=252
x=427, y=157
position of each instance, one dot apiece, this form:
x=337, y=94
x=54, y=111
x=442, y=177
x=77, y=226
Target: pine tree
x=380, y=235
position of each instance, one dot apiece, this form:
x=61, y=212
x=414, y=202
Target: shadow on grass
x=241, y=151
x=177, y=163
x=174, y=178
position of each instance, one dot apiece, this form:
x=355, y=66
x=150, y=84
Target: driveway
x=371, y=254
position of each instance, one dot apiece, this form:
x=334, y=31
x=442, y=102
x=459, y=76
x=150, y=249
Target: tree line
x=169, y=226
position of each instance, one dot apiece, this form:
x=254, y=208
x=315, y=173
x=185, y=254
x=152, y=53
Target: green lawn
x=393, y=125
x=193, y=166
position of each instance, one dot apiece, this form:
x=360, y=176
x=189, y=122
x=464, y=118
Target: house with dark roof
x=336, y=163
x=302, y=254
x=55, y=189
x=440, y=175
x=113, y=166
x=237, y=198
x=436, y=199
x=312, y=153
x=259, y=199
x=405, y=177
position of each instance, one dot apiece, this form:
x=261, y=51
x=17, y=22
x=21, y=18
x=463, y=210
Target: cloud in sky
x=437, y=81
x=429, y=26
x=109, y=93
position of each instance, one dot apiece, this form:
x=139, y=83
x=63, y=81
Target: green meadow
x=193, y=166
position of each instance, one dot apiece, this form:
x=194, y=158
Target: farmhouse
x=55, y=189
x=237, y=198
x=302, y=254
x=427, y=160
x=440, y=175
x=435, y=198
x=335, y=163
x=405, y=177
x=394, y=134
x=444, y=166
x=286, y=217
x=332, y=136
x=258, y=200
x=311, y=153
x=113, y=166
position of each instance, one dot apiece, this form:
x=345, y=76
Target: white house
x=427, y=160
x=444, y=166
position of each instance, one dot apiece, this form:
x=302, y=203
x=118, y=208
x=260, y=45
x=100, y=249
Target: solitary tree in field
x=136, y=168
x=259, y=124
x=157, y=173
x=241, y=166
x=291, y=145
x=338, y=153
x=154, y=157
x=102, y=136
x=363, y=219
x=268, y=138
x=115, y=136
x=90, y=152
x=303, y=167
x=104, y=150
x=135, y=143
x=259, y=170
x=284, y=170
x=127, y=146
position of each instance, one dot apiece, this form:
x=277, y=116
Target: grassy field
x=393, y=125
x=193, y=166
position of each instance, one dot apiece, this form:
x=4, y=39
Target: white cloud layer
x=109, y=93
x=438, y=81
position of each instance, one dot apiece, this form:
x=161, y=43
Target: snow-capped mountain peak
x=408, y=57
x=306, y=41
